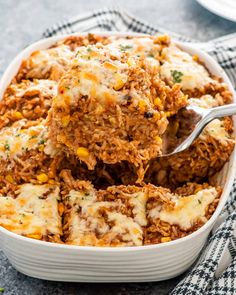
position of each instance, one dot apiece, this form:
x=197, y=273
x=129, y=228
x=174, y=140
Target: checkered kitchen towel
x=215, y=271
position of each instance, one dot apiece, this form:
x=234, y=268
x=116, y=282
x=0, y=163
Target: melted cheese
x=43, y=61
x=206, y=101
x=92, y=75
x=143, y=46
x=44, y=88
x=193, y=76
x=217, y=130
x=187, y=210
x=91, y=223
x=33, y=213
x=126, y=227
x=15, y=140
x=138, y=46
x=138, y=201
x=95, y=73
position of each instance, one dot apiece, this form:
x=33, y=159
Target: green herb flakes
x=124, y=48
x=177, y=76
x=7, y=147
x=42, y=141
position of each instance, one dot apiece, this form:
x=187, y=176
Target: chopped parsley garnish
x=199, y=201
x=42, y=141
x=7, y=147
x=2, y=290
x=124, y=48
x=89, y=49
x=177, y=76
x=67, y=87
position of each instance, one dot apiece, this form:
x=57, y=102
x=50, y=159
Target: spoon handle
x=222, y=111
x=208, y=116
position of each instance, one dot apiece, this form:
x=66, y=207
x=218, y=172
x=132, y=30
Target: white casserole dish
x=93, y=264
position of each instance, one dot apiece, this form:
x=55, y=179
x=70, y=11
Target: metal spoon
x=197, y=118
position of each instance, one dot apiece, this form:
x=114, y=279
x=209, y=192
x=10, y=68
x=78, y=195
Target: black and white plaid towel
x=215, y=271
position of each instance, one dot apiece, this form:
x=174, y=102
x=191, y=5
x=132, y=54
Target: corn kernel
x=136, y=231
x=90, y=76
x=94, y=54
x=34, y=132
x=165, y=239
x=131, y=62
x=65, y=120
x=93, y=91
x=157, y=116
x=42, y=177
x=35, y=236
x=119, y=82
x=41, y=147
x=61, y=208
x=110, y=66
x=157, y=101
x=142, y=105
x=112, y=120
x=51, y=181
x=158, y=139
x=18, y=115
x=168, y=114
x=9, y=178
x=82, y=152
x=99, y=110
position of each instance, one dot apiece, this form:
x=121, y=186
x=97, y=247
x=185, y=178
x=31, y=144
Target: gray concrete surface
x=22, y=22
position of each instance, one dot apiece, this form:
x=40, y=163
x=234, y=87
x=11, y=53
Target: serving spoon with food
x=196, y=118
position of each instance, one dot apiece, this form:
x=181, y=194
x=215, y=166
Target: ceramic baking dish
x=128, y=264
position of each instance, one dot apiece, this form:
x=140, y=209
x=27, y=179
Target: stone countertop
x=22, y=22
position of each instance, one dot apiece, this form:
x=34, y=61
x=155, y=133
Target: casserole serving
x=139, y=263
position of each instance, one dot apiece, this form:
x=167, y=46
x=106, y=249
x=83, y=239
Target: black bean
x=148, y=115
x=129, y=138
x=127, y=97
